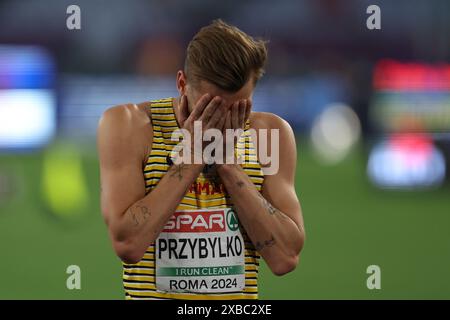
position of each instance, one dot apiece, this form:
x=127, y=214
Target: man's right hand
x=210, y=112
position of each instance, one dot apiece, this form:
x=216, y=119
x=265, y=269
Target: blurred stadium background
x=370, y=108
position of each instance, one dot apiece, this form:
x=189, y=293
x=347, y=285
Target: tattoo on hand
x=265, y=244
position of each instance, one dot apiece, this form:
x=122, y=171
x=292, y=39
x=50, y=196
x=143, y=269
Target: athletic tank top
x=207, y=192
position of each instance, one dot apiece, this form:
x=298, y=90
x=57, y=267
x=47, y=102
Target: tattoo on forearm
x=135, y=220
x=270, y=208
x=265, y=244
x=177, y=171
x=142, y=212
x=240, y=184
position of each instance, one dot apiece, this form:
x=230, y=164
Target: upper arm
x=120, y=157
x=279, y=188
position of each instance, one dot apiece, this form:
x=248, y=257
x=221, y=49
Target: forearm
x=142, y=222
x=275, y=235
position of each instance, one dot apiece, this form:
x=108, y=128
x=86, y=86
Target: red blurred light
x=399, y=76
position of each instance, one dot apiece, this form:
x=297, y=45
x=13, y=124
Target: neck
x=176, y=108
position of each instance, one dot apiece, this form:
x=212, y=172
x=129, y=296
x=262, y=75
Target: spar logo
x=232, y=221
x=196, y=221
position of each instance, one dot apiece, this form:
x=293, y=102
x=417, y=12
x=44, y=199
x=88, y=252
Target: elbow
x=127, y=252
x=284, y=266
x=130, y=258
x=288, y=262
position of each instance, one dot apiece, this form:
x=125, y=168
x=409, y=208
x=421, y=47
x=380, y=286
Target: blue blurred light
x=25, y=67
x=27, y=97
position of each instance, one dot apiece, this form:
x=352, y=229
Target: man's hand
x=238, y=114
x=209, y=111
x=236, y=118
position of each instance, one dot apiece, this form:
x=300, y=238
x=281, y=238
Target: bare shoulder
x=125, y=117
x=284, y=132
x=126, y=128
x=267, y=120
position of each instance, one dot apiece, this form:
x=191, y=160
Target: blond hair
x=225, y=56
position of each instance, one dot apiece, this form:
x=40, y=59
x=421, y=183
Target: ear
x=181, y=82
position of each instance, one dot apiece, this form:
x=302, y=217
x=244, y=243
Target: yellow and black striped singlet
x=207, y=192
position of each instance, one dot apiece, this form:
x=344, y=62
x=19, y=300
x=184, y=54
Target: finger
x=227, y=124
x=248, y=110
x=241, y=114
x=222, y=119
x=218, y=113
x=228, y=120
x=184, y=110
x=209, y=110
x=200, y=106
x=235, y=115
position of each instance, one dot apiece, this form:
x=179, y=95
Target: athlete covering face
x=186, y=226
